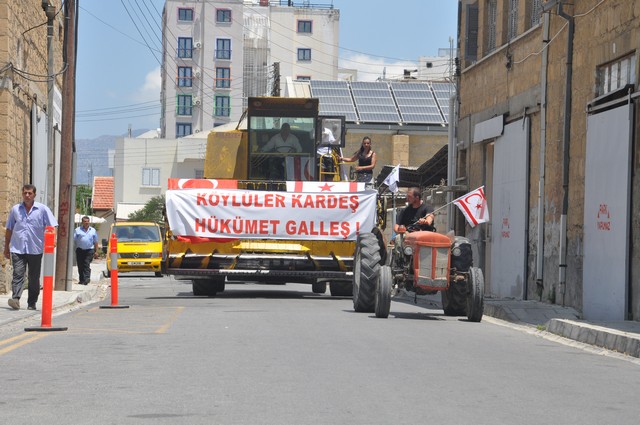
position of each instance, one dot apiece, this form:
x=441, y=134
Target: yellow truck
x=274, y=205
x=139, y=247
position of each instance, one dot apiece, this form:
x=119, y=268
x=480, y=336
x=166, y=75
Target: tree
x=83, y=198
x=152, y=211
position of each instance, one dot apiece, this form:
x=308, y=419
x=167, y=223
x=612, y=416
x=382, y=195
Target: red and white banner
x=174, y=183
x=474, y=207
x=335, y=187
x=246, y=214
x=299, y=168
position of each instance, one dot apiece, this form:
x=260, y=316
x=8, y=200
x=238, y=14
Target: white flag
x=393, y=178
x=474, y=206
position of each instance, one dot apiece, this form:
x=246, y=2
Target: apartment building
x=548, y=124
x=218, y=53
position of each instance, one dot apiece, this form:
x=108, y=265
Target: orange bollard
x=113, y=258
x=47, y=287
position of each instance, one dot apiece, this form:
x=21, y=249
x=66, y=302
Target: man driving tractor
x=417, y=215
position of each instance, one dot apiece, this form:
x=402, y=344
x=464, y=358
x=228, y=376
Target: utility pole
x=50, y=11
x=275, y=90
x=66, y=207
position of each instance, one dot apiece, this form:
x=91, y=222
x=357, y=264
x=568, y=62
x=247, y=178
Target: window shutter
x=471, y=44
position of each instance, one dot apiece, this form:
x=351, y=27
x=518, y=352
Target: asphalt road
x=282, y=355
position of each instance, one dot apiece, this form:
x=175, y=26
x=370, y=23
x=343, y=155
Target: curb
x=611, y=339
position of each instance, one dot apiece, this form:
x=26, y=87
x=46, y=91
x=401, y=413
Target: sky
x=118, y=70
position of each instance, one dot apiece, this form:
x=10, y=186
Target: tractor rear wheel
x=384, y=283
x=475, y=296
x=454, y=299
x=365, y=272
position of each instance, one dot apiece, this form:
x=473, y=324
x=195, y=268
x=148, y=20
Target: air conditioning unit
x=197, y=45
x=196, y=101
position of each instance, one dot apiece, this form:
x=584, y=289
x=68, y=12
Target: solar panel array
x=335, y=99
x=384, y=102
x=443, y=92
x=374, y=102
x=416, y=103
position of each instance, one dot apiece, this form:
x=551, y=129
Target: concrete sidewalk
x=622, y=337
x=80, y=294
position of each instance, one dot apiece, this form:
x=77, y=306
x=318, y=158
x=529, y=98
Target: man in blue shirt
x=86, y=239
x=24, y=244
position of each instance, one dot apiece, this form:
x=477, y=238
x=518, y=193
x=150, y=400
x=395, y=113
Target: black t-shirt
x=410, y=215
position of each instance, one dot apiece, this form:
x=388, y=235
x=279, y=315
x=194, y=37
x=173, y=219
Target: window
x=223, y=15
x=303, y=78
x=304, y=54
x=304, y=27
x=535, y=12
x=185, y=15
x=492, y=13
x=223, y=106
x=198, y=173
x=184, y=76
x=223, y=78
x=512, y=28
x=184, y=106
x=185, y=47
x=183, y=129
x=471, y=42
x=615, y=75
x=223, y=48
x=150, y=177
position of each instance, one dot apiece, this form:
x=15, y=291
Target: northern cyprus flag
x=474, y=207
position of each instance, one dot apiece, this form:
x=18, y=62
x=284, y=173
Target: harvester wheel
x=199, y=287
x=454, y=299
x=319, y=287
x=365, y=272
x=218, y=285
x=384, y=283
x=209, y=287
x=341, y=288
x=475, y=297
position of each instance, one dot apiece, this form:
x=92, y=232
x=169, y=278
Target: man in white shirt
x=283, y=142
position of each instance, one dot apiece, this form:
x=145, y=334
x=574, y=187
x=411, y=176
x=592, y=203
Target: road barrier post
x=47, y=287
x=113, y=258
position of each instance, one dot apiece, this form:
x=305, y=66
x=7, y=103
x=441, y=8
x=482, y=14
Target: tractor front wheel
x=475, y=296
x=384, y=284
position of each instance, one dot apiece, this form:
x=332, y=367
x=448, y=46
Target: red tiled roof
x=102, y=195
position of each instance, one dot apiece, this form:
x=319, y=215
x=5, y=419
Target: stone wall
x=507, y=81
x=23, y=49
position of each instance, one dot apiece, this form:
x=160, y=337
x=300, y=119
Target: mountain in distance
x=92, y=156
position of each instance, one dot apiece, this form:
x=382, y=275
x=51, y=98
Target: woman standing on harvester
x=366, y=161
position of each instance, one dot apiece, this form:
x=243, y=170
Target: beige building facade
x=548, y=123
x=24, y=154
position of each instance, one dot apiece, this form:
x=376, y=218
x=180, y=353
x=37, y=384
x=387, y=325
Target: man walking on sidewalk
x=86, y=239
x=24, y=244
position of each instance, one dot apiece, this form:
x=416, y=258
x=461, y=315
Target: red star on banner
x=326, y=188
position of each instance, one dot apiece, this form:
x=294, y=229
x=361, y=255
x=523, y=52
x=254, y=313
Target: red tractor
x=425, y=263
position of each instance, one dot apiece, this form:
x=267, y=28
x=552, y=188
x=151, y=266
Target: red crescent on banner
x=197, y=184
